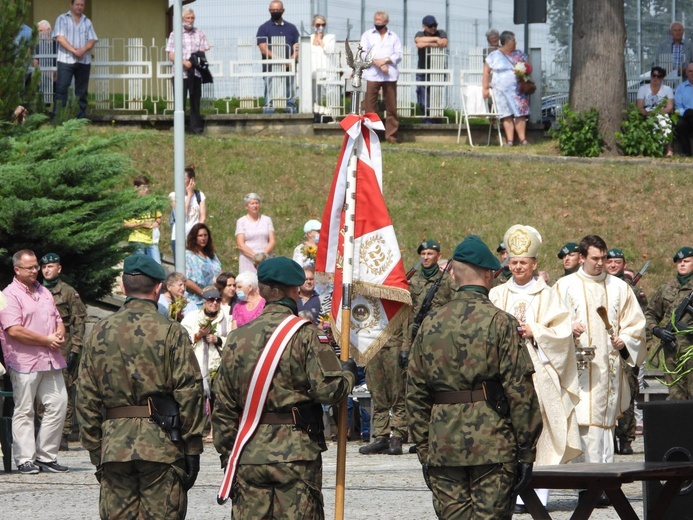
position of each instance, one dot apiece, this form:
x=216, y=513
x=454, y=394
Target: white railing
x=126, y=74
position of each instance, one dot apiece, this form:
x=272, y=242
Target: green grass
x=440, y=191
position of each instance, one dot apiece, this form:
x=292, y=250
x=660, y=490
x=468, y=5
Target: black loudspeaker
x=668, y=436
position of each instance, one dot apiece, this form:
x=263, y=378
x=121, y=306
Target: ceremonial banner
x=381, y=296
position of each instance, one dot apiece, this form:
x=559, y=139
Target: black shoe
x=64, y=445
x=28, y=468
x=379, y=445
x=51, y=467
x=520, y=509
x=626, y=448
x=395, y=446
x=412, y=449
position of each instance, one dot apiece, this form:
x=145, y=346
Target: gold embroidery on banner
x=519, y=242
x=365, y=315
x=375, y=255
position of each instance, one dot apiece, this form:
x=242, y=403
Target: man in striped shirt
x=76, y=38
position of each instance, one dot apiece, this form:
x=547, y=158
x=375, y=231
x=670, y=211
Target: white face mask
x=317, y=237
x=241, y=296
x=320, y=29
x=188, y=26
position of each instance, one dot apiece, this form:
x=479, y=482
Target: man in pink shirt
x=33, y=335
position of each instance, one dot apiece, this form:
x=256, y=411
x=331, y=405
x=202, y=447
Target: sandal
x=524, y=142
x=509, y=143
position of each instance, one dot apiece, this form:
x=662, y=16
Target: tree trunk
x=598, y=73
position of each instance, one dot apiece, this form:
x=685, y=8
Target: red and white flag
x=380, y=293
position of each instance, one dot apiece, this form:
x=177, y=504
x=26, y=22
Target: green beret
x=473, y=251
x=682, y=253
x=49, y=258
x=501, y=247
x=281, y=270
x=143, y=264
x=570, y=247
x=428, y=244
x=615, y=253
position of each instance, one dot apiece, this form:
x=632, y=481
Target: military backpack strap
x=257, y=396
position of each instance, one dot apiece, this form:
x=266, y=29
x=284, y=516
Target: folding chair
x=475, y=106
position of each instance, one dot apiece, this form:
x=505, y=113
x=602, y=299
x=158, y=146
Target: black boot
x=64, y=445
x=379, y=445
x=395, y=446
x=625, y=447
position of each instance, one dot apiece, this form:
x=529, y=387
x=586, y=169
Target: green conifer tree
x=16, y=59
x=67, y=190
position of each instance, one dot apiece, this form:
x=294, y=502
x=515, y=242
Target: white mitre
x=522, y=241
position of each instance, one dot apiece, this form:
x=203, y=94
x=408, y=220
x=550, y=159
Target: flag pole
x=356, y=88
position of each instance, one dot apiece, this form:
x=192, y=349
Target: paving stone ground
x=378, y=487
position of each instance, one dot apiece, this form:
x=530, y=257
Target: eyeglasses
x=657, y=76
x=29, y=268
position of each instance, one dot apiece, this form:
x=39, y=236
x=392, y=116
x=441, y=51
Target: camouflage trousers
x=70, y=380
x=625, y=429
x=387, y=385
x=474, y=492
x=287, y=490
x=142, y=489
x=684, y=388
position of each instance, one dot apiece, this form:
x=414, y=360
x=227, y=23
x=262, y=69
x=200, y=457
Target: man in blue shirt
x=683, y=104
x=274, y=28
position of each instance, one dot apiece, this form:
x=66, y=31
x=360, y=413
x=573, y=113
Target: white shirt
x=387, y=46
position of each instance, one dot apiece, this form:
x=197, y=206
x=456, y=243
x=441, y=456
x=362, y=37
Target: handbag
x=527, y=86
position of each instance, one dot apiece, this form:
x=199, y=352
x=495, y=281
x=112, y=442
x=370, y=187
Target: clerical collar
x=523, y=288
x=597, y=278
x=474, y=288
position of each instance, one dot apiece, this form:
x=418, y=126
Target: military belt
x=461, y=397
x=276, y=418
x=128, y=411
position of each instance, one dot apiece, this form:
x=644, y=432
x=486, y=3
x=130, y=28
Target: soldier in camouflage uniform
x=419, y=285
x=476, y=452
x=279, y=474
x=505, y=274
x=665, y=301
x=625, y=428
x=73, y=313
x=569, y=255
x=135, y=357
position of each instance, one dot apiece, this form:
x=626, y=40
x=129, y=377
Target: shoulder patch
x=76, y=295
x=323, y=338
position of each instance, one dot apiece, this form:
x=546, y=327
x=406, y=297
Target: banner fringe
x=382, y=292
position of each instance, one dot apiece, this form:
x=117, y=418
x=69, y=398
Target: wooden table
x=607, y=478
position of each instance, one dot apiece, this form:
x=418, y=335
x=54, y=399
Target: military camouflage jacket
x=308, y=371
x=124, y=361
x=663, y=303
x=418, y=287
x=465, y=342
x=73, y=312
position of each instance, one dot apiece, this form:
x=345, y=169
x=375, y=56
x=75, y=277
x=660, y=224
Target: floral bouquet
x=175, y=310
x=521, y=71
x=205, y=321
x=309, y=251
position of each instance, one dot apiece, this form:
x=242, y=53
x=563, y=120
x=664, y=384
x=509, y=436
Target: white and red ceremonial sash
x=257, y=396
x=380, y=290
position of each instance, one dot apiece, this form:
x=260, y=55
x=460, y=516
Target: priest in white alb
x=546, y=329
x=603, y=387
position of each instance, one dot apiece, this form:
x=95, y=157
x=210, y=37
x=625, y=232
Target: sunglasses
x=319, y=25
x=214, y=300
x=656, y=76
